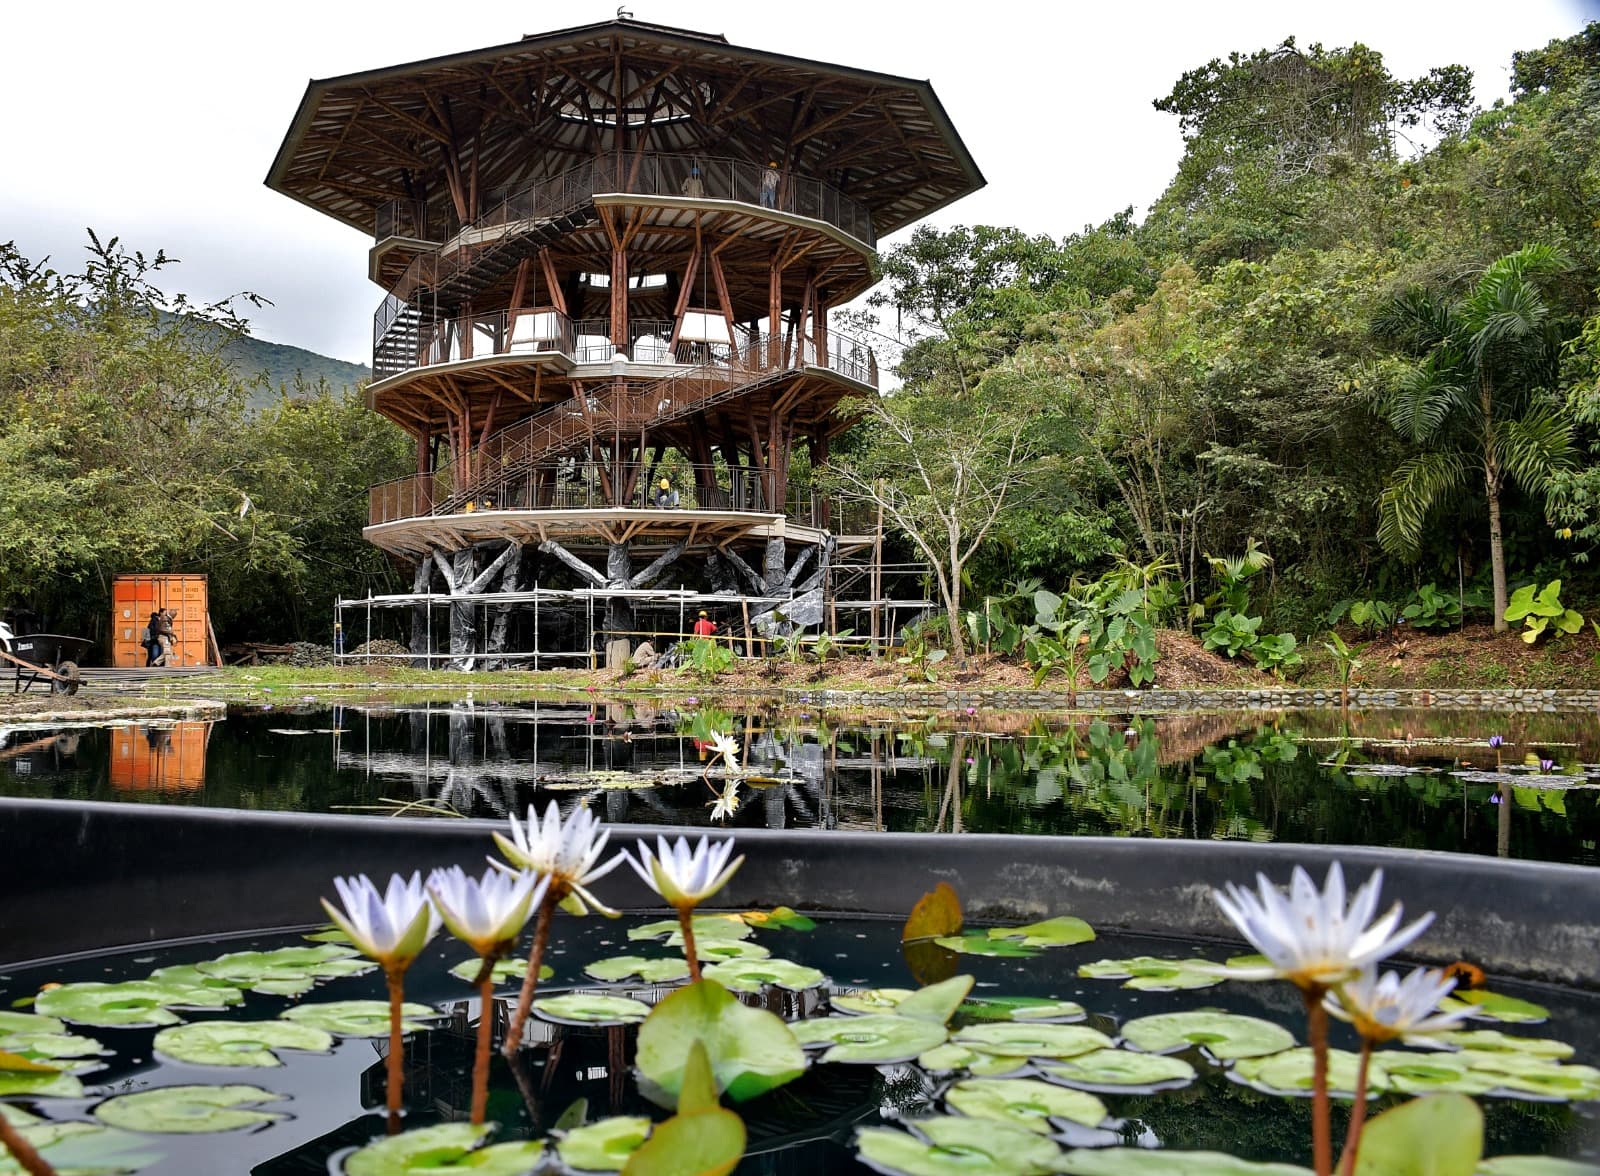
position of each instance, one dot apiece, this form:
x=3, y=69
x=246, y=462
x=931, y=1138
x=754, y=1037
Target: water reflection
x=1418, y=779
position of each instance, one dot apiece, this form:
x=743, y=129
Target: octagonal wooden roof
x=456, y=130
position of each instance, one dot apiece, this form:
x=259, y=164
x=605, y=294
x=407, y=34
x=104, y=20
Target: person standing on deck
x=769, y=185
x=666, y=496
x=693, y=187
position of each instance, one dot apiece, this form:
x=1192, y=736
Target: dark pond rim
x=147, y=874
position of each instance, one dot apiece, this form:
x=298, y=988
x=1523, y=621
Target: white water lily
x=1310, y=937
x=686, y=876
x=727, y=802
x=391, y=926
x=486, y=913
x=565, y=852
x=1383, y=1008
x=728, y=748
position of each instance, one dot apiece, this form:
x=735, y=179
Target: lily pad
x=1061, y=931
x=1289, y=1072
x=360, y=1018
x=708, y=1142
x=82, y=1149
x=1138, y=1161
x=717, y=950
x=327, y=934
x=868, y=1000
x=651, y=971
x=50, y=1046
x=1021, y=1008
x=754, y=975
x=1225, y=1036
x=979, y=943
x=591, y=1008
x=953, y=1145
x=446, y=1147
x=132, y=1004
x=1118, y=1070
x=943, y=1059
x=1494, y=1006
x=1024, y=1102
x=705, y=927
x=873, y=1039
x=937, y=913
x=504, y=972
x=189, y=1110
x=1533, y=1166
x=1526, y=1075
x=604, y=1146
x=286, y=971
x=1428, y=1073
x=1440, y=1135
x=1149, y=974
x=29, y=1023
x=1024, y=1039
x=751, y=1050
x=39, y=1082
x=936, y=1003
x=239, y=1043
x=784, y=917
x=1494, y=1041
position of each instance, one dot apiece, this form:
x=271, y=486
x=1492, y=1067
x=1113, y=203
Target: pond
x=315, y=1101
x=1421, y=779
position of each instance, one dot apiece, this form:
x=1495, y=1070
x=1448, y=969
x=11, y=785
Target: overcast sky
x=157, y=121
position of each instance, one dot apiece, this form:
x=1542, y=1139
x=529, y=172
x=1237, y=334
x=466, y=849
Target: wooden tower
x=608, y=256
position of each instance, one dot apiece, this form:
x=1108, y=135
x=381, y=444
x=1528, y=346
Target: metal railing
x=582, y=485
x=695, y=177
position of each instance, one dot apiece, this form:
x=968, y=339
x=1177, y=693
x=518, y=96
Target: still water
x=1425, y=780
x=331, y=1103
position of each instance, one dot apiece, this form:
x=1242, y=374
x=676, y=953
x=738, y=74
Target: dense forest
x=1347, y=367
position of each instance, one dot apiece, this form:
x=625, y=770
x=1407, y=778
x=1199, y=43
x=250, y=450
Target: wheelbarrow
x=47, y=657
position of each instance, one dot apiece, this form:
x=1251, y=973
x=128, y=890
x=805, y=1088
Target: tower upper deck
x=456, y=134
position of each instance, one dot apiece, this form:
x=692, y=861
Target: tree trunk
x=463, y=614
x=958, y=647
x=619, y=609
x=419, y=617
x=1492, y=481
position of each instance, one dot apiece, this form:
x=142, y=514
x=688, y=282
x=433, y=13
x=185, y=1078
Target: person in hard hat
x=666, y=496
x=705, y=626
x=769, y=185
x=694, y=187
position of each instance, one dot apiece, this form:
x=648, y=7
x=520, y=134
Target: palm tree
x=1482, y=391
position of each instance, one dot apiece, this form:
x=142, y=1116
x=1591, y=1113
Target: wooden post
x=876, y=579
x=774, y=308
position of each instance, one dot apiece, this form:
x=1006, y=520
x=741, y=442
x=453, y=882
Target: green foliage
x=1345, y=662
x=1430, y=608
x=1541, y=610
x=1276, y=652
x=1231, y=633
x=707, y=657
x=920, y=657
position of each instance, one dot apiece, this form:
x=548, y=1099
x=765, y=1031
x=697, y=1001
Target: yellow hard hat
x=702, y=612
x=666, y=484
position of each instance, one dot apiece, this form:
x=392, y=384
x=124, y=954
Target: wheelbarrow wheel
x=68, y=681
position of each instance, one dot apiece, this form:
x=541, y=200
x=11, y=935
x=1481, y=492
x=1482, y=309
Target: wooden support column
x=684, y=292
x=774, y=308
x=619, y=300
x=820, y=328
x=558, y=298
x=721, y=281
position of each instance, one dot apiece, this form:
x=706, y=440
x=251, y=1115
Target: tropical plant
x=1432, y=609
x=1231, y=633
x=1276, y=652
x=920, y=657
x=1233, y=574
x=1540, y=609
x=1371, y=615
x=1345, y=664
x=827, y=643
x=707, y=657
x=1482, y=394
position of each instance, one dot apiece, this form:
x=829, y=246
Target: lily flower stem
x=1317, y=1035
x=1358, y=1113
x=397, y=1068
x=480, y=1059
x=530, y=982
x=686, y=921
x=22, y=1151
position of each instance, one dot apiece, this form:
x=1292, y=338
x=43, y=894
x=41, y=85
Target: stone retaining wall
x=1155, y=701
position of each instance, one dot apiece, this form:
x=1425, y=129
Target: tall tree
x=1483, y=391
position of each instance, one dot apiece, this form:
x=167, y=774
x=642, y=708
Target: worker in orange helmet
x=705, y=626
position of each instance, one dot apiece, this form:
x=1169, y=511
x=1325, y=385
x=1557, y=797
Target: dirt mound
x=1185, y=664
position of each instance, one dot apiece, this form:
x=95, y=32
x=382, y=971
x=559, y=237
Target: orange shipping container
x=134, y=598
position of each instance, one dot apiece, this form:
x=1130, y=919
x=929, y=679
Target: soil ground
x=1471, y=658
